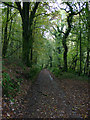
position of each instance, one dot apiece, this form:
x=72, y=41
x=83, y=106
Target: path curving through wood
x=47, y=100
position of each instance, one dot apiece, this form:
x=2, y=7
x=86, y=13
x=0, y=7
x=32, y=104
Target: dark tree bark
x=66, y=34
x=58, y=37
x=31, y=57
x=25, y=25
x=5, y=44
x=27, y=21
x=80, y=39
x=88, y=39
x=74, y=62
x=59, y=60
x=50, y=61
x=69, y=21
x=80, y=51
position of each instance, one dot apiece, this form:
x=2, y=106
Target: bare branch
x=32, y=15
x=54, y=28
x=19, y=7
x=64, y=9
x=60, y=31
x=9, y=5
x=41, y=14
x=14, y=51
x=11, y=17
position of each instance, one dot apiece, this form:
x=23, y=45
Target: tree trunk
x=25, y=35
x=31, y=57
x=5, y=44
x=59, y=60
x=80, y=53
x=50, y=61
x=80, y=43
x=69, y=20
x=74, y=62
x=27, y=21
x=88, y=39
x=26, y=48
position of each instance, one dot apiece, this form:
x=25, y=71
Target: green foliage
x=10, y=86
x=34, y=71
x=48, y=29
x=74, y=76
x=56, y=71
x=69, y=75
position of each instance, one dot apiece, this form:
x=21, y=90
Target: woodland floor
x=49, y=97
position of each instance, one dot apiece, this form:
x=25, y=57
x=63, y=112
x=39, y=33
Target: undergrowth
x=10, y=86
x=15, y=73
x=34, y=71
x=68, y=75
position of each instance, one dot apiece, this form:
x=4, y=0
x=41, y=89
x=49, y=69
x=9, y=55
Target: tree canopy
x=52, y=35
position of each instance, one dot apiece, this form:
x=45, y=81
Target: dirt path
x=47, y=99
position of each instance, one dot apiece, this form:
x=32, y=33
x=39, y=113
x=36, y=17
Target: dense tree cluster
x=45, y=36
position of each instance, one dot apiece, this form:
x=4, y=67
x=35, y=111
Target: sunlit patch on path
x=50, y=77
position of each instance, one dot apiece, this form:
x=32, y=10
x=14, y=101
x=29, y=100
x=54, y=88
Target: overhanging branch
x=5, y=3
x=41, y=14
x=19, y=7
x=14, y=51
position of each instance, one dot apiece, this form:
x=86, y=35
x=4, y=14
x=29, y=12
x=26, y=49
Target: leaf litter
x=65, y=98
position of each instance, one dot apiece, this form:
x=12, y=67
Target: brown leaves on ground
x=77, y=94
x=55, y=104
x=10, y=107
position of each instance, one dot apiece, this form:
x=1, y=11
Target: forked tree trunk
x=27, y=21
